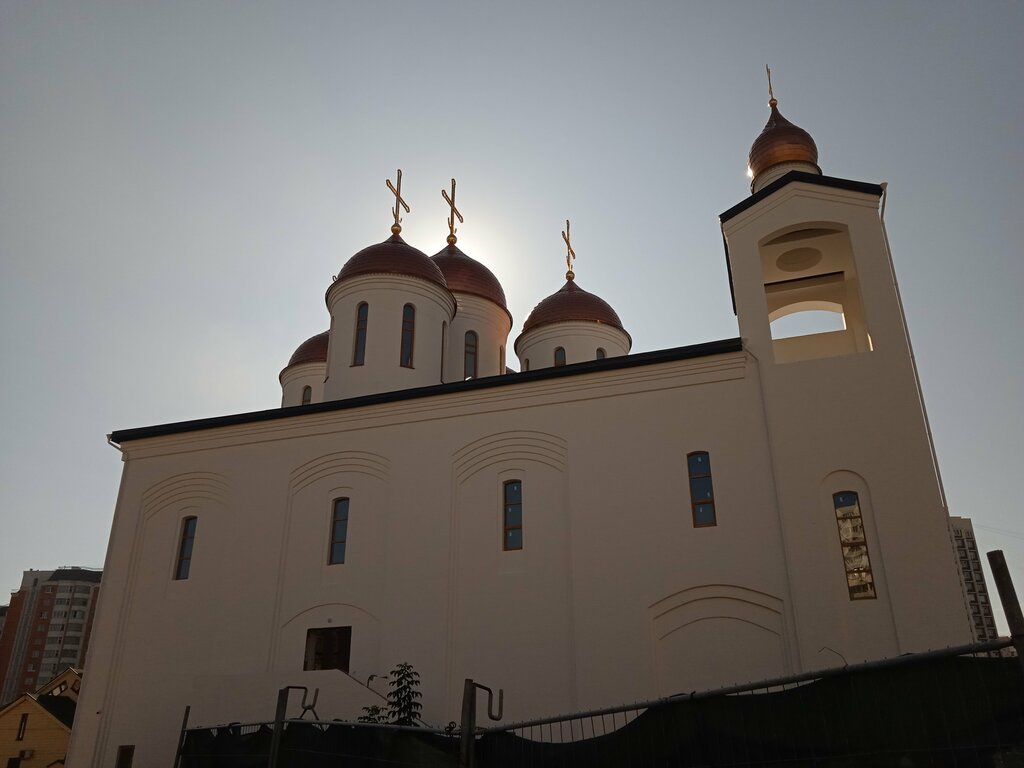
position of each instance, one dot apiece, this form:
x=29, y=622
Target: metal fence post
x=181, y=738
x=279, y=715
x=1008, y=597
x=467, y=734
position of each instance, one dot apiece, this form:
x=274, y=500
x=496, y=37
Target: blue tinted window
x=513, y=515
x=702, y=493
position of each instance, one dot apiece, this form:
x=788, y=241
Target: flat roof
x=807, y=178
x=508, y=380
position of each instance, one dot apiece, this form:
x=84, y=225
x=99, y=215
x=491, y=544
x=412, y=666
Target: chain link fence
x=959, y=707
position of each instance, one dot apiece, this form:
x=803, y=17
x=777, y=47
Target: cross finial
x=570, y=255
x=397, y=192
x=772, y=101
x=453, y=215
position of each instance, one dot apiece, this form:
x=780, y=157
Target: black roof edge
x=728, y=268
x=608, y=364
x=808, y=178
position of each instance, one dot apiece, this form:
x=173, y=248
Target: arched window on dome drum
x=307, y=395
x=359, y=349
x=559, y=356
x=526, y=364
x=469, y=361
x=408, y=334
x=501, y=361
x=339, y=532
x=444, y=346
x=600, y=353
x=702, y=493
x=859, y=580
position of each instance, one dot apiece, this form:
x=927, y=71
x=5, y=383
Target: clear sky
x=180, y=180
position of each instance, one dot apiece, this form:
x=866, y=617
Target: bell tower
x=857, y=486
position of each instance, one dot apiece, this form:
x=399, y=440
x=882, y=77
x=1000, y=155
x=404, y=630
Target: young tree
x=403, y=698
x=403, y=705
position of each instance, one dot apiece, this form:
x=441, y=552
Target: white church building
x=596, y=528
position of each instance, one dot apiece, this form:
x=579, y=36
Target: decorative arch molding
x=802, y=232
x=727, y=601
x=830, y=483
x=313, y=610
x=716, y=634
x=524, y=445
x=189, y=488
x=358, y=462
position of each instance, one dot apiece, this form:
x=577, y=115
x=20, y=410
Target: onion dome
x=466, y=275
x=571, y=302
x=312, y=350
x=781, y=142
x=394, y=257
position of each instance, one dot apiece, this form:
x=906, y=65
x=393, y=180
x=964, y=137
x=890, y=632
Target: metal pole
x=181, y=738
x=1008, y=597
x=279, y=715
x=467, y=734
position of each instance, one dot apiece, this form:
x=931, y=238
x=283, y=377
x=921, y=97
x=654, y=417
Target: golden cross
x=771, y=93
x=397, y=192
x=454, y=213
x=570, y=255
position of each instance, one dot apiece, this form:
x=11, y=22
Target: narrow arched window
x=526, y=364
x=859, y=580
x=600, y=353
x=702, y=492
x=359, y=349
x=444, y=346
x=512, y=522
x=185, y=544
x=559, y=356
x=307, y=395
x=339, y=532
x=408, y=334
x=501, y=361
x=469, y=361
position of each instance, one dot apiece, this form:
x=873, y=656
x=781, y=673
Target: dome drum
x=307, y=367
x=491, y=324
x=579, y=340
x=381, y=368
x=296, y=378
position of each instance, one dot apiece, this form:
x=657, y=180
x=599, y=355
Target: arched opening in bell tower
x=812, y=292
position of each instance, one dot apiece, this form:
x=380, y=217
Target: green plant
x=374, y=714
x=403, y=705
x=403, y=698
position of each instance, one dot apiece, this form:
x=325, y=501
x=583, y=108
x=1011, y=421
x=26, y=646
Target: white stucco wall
x=615, y=596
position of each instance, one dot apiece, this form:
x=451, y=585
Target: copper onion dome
x=467, y=275
x=781, y=142
x=395, y=257
x=312, y=350
x=571, y=302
